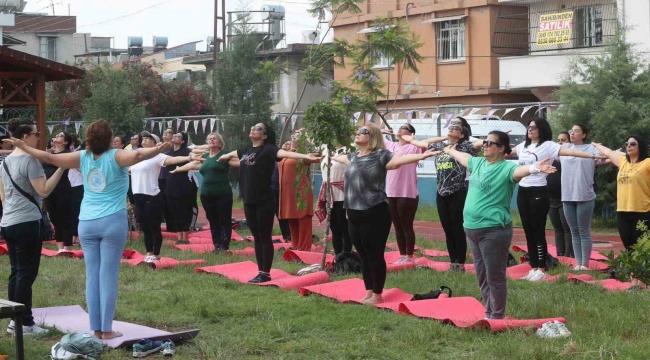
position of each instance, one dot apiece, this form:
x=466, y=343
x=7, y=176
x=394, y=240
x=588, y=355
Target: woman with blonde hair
x=365, y=199
x=216, y=192
x=103, y=222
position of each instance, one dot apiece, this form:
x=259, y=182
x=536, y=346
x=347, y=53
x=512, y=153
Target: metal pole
x=223, y=24
x=216, y=32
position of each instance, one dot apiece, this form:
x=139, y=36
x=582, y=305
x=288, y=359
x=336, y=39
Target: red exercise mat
x=249, y=251
x=200, y=240
x=168, y=263
x=195, y=248
x=435, y=253
x=593, y=265
x=3, y=249
x=75, y=254
x=132, y=257
x=440, y=265
x=552, y=250
x=465, y=312
x=308, y=257
x=393, y=256
x=517, y=272
x=609, y=284
x=353, y=290
x=208, y=235
x=244, y=271
x=274, y=238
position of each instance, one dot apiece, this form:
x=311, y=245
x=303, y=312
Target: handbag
x=45, y=227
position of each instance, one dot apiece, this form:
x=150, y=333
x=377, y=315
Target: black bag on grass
x=346, y=263
x=433, y=294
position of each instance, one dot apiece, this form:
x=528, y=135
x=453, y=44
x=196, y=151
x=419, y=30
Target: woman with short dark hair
x=23, y=186
x=103, y=222
x=633, y=190
x=487, y=219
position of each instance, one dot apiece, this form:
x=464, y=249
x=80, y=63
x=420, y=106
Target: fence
x=56, y=119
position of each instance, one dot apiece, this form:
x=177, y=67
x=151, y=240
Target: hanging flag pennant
x=434, y=119
x=153, y=124
x=409, y=116
x=178, y=124
x=526, y=110
x=356, y=115
x=212, y=122
x=541, y=108
x=422, y=114
x=448, y=118
x=508, y=110
x=474, y=111
x=395, y=116
x=223, y=126
x=50, y=128
x=196, y=125
x=283, y=120
x=169, y=124
x=203, y=123
x=66, y=122
x=294, y=119
x=77, y=127
x=187, y=125
x=490, y=113
x=369, y=117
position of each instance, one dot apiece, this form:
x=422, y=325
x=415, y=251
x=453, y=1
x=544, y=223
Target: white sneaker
x=538, y=276
x=148, y=258
x=409, y=259
x=530, y=274
x=584, y=268
x=561, y=329
x=401, y=260
x=33, y=330
x=577, y=268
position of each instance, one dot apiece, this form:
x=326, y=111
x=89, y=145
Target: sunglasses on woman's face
x=532, y=128
x=404, y=127
x=257, y=128
x=363, y=132
x=631, y=144
x=454, y=128
x=488, y=143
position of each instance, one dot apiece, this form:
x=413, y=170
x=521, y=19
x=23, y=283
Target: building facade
x=459, y=66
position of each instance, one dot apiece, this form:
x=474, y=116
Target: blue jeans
x=102, y=241
x=578, y=215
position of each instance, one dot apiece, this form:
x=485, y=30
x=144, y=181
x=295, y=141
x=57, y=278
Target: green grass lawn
x=240, y=321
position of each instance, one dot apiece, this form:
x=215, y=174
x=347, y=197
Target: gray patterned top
x=451, y=174
x=365, y=179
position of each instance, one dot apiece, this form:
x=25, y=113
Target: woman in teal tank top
x=103, y=220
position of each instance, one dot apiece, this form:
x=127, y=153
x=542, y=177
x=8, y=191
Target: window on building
x=275, y=91
x=384, y=62
x=48, y=47
x=589, y=26
x=451, y=40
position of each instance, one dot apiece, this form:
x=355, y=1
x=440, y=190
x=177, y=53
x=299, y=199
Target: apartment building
x=460, y=66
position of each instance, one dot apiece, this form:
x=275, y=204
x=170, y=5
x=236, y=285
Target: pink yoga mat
x=517, y=272
x=249, y=251
x=75, y=254
x=68, y=319
x=195, y=248
x=208, y=235
x=353, y=290
x=434, y=253
x=274, y=238
x=244, y=271
x=200, y=240
x=593, y=265
x=552, y=250
x=135, y=258
x=609, y=284
x=440, y=265
x=465, y=312
x=393, y=256
x=393, y=246
x=308, y=257
x=3, y=249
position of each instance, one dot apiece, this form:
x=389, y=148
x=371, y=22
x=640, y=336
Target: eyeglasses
x=257, y=128
x=134, y=138
x=37, y=134
x=532, y=128
x=631, y=144
x=454, y=128
x=488, y=143
x=363, y=131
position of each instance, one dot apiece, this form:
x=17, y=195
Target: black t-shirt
x=178, y=185
x=63, y=188
x=554, y=182
x=255, y=171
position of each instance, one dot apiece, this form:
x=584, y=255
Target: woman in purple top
x=402, y=193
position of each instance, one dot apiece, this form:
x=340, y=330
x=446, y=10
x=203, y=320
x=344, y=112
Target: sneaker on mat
x=147, y=258
x=401, y=260
x=577, y=268
x=146, y=347
x=529, y=275
x=409, y=259
x=584, y=268
x=63, y=251
x=260, y=278
x=33, y=330
x=538, y=276
x=168, y=348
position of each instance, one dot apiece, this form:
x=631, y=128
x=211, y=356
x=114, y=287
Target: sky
x=181, y=21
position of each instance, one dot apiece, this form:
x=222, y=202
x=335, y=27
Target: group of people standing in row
x=372, y=187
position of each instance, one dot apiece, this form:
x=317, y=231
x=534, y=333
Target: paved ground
x=433, y=231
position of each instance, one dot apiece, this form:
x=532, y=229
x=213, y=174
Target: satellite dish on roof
x=310, y=36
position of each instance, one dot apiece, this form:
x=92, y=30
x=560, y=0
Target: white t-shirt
x=144, y=175
x=75, y=178
x=534, y=153
x=338, y=172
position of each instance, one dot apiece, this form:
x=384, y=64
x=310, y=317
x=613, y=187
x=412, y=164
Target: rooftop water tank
x=160, y=42
x=12, y=6
x=273, y=12
x=135, y=41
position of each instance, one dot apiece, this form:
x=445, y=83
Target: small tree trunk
x=328, y=196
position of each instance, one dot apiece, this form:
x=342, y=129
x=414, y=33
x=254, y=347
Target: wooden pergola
x=22, y=82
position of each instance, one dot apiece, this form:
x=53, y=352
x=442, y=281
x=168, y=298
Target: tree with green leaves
x=610, y=94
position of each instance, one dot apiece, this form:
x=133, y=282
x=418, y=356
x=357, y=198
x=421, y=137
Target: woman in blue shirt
x=103, y=223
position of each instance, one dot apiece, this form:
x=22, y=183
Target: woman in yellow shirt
x=633, y=187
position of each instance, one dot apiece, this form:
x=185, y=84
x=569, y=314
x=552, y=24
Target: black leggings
x=60, y=210
x=260, y=221
x=182, y=208
x=218, y=210
x=402, y=213
x=533, y=204
x=563, y=240
x=149, y=212
x=77, y=198
x=627, y=226
x=369, y=231
x=284, y=223
x=339, y=225
x=450, y=211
